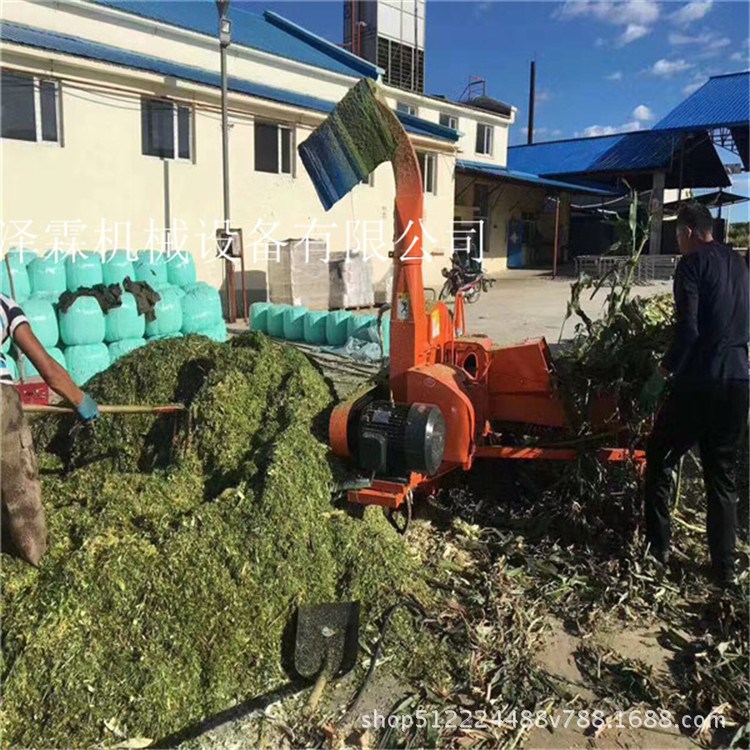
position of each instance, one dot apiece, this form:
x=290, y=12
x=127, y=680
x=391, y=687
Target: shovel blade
x=327, y=637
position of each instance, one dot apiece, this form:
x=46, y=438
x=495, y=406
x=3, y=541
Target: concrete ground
x=529, y=304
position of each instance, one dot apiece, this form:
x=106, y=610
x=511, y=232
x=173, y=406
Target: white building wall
x=430, y=108
x=99, y=176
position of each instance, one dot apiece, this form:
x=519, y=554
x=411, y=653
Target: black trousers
x=712, y=416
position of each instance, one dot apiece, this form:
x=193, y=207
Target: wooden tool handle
x=105, y=409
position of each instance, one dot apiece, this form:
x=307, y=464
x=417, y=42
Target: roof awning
x=710, y=200
x=632, y=156
x=492, y=171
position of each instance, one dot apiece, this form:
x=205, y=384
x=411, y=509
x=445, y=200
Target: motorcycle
x=468, y=278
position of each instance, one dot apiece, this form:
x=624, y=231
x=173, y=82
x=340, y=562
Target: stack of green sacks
x=167, y=323
x=315, y=327
x=181, y=270
x=47, y=275
x=296, y=323
x=366, y=329
x=82, y=329
x=201, y=312
x=117, y=267
x=275, y=320
x=259, y=316
x=337, y=327
x=83, y=269
x=124, y=328
x=358, y=323
x=85, y=332
x=151, y=267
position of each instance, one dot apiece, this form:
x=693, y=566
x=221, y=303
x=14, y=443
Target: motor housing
x=395, y=439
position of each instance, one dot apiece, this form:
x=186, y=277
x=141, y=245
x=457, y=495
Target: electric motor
x=394, y=439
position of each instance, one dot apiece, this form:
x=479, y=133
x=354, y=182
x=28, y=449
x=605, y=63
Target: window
x=449, y=121
x=273, y=148
x=166, y=129
x=484, y=139
x=428, y=167
x=29, y=108
x=407, y=108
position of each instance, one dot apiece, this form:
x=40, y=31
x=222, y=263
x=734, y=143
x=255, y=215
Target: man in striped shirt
x=22, y=512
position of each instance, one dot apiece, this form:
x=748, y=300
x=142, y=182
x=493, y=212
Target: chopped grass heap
x=174, y=568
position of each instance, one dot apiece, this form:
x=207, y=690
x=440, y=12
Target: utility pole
x=532, y=103
x=225, y=38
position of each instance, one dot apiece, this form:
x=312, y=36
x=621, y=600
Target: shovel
x=326, y=644
x=105, y=409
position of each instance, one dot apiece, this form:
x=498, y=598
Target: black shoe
x=723, y=576
x=660, y=555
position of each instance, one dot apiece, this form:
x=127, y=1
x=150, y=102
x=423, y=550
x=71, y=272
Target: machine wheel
x=445, y=292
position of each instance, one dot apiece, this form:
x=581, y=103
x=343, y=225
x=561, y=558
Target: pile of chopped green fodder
x=176, y=561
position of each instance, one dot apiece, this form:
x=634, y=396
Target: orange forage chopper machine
x=446, y=389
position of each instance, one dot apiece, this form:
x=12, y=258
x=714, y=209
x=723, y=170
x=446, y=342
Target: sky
x=602, y=67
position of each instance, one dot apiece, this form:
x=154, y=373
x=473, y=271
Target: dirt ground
x=557, y=657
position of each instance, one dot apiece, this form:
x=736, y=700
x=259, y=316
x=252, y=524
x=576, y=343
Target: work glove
x=87, y=410
x=652, y=391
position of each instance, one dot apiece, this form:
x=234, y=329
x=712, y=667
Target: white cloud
x=542, y=95
x=691, y=88
x=642, y=113
x=739, y=57
x=637, y=16
x=709, y=43
x=600, y=42
x=619, y=13
x=677, y=38
x=692, y=11
x=632, y=32
x=616, y=76
x=667, y=68
x=596, y=130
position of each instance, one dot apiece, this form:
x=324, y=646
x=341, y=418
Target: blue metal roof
x=268, y=32
x=621, y=153
x=722, y=102
x=512, y=175
x=70, y=45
